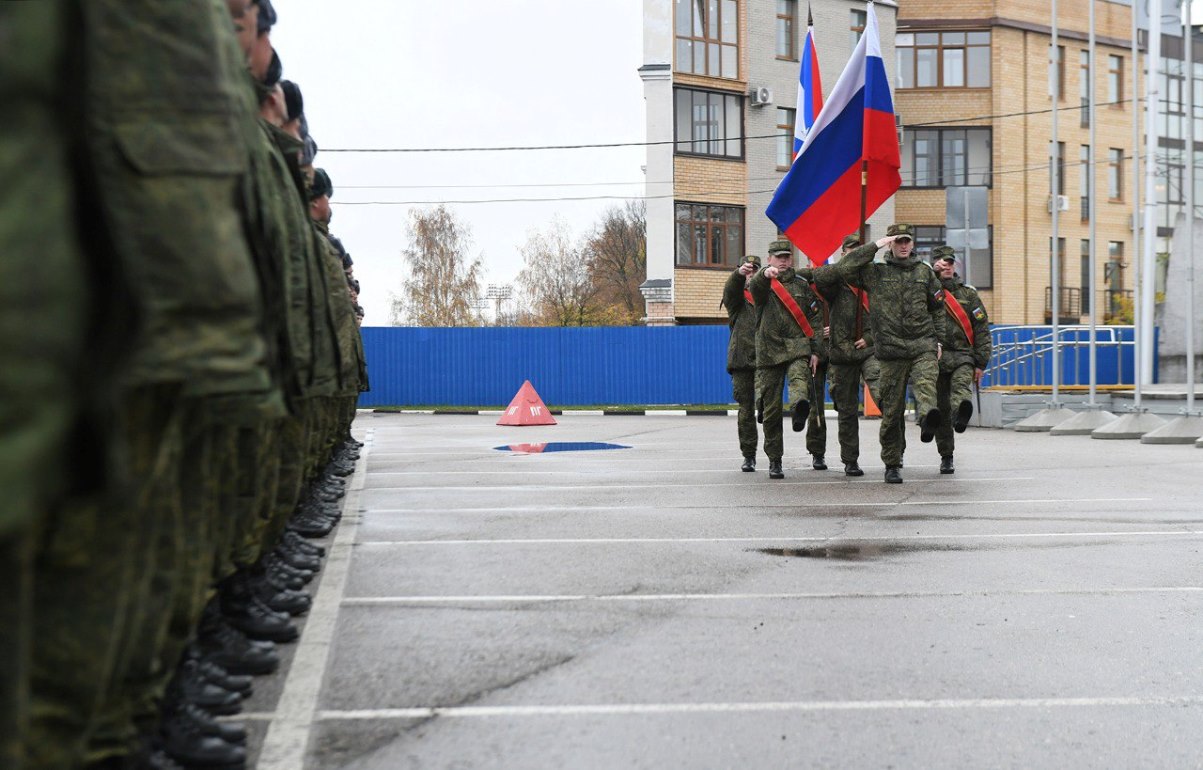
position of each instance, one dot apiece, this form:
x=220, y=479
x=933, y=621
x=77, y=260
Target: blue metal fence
x=638, y=365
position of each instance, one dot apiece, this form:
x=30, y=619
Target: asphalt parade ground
x=654, y=607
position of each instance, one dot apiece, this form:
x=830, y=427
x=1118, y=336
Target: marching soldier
x=850, y=342
x=741, y=354
x=907, y=323
x=967, y=347
x=786, y=345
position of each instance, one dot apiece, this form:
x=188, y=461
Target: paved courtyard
x=653, y=607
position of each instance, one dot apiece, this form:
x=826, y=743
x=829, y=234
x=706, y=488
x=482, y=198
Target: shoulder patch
x=979, y=313
x=938, y=295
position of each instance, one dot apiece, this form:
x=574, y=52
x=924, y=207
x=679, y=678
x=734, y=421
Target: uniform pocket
x=208, y=145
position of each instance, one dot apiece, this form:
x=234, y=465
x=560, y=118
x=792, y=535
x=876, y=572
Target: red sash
x=823, y=302
x=958, y=313
x=860, y=294
x=792, y=306
x=748, y=298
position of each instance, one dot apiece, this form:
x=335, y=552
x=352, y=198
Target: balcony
x=1116, y=305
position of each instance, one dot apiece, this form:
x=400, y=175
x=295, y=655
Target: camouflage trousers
x=91, y=583
x=743, y=388
x=816, y=421
x=290, y=473
x=259, y=473
x=922, y=371
x=951, y=389
x=16, y=572
x=845, y=392
x=771, y=379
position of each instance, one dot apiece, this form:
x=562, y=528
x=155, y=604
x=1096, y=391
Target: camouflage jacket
x=342, y=315
x=741, y=318
x=957, y=350
x=907, y=301
x=779, y=338
x=843, y=306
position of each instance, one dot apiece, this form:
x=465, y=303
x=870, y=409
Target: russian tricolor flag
x=810, y=89
x=819, y=200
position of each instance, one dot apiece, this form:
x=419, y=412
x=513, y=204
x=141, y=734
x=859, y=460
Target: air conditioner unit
x=1062, y=203
x=761, y=96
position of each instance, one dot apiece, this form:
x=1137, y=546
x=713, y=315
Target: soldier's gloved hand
x=860, y=344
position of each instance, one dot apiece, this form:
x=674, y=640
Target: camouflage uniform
x=849, y=364
x=907, y=321
x=954, y=389
x=783, y=351
x=816, y=422
x=741, y=358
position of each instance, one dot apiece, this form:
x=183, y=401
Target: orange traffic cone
x=527, y=409
x=871, y=409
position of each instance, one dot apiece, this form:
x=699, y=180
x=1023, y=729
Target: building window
x=709, y=236
x=1084, y=181
x=1115, y=80
x=943, y=157
x=857, y=26
x=1115, y=174
x=1056, y=169
x=708, y=123
x=787, y=26
x=1084, y=87
x=707, y=33
x=1059, y=85
x=785, y=139
x=943, y=59
x=979, y=273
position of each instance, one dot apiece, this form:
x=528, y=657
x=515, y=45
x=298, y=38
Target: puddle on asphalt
x=559, y=446
x=858, y=551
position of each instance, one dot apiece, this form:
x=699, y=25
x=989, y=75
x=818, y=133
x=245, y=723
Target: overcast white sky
x=466, y=73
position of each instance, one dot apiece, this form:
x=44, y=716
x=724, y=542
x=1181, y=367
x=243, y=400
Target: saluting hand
x=886, y=241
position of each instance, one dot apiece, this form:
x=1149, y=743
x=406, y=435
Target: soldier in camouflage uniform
x=852, y=358
x=816, y=423
x=741, y=355
x=907, y=322
x=786, y=347
x=964, y=359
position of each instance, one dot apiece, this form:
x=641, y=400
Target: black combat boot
x=221, y=643
x=301, y=545
x=946, y=465
x=215, y=674
x=893, y=475
x=819, y=463
x=186, y=741
x=928, y=424
x=296, y=559
x=749, y=464
x=775, y=471
x=852, y=469
x=191, y=686
x=964, y=412
x=801, y=412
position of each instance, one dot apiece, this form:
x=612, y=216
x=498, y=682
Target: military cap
x=851, y=241
x=321, y=185
x=274, y=71
x=781, y=247
x=267, y=15
x=292, y=99
x=902, y=231
x=943, y=252
x=309, y=151
x=752, y=259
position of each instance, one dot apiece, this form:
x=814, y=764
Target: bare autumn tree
x=555, y=279
x=617, y=255
x=444, y=280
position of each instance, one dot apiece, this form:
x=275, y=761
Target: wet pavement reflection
x=559, y=446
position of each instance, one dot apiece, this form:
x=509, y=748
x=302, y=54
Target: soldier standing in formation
x=907, y=322
x=816, y=422
x=966, y=352
x=851, y=349
x=786, y=346
x=741, y=355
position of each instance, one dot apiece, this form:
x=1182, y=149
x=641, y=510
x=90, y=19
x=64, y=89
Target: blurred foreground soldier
x=967, y=347
x=785, y=346
x=850, y=342
x=741, y=355
x=907, y=322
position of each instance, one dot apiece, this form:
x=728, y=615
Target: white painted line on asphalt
x=288, y=734
x=620, y=485
x=644, y=709
x=752, y=507
x=833, y=542
x=367, y=601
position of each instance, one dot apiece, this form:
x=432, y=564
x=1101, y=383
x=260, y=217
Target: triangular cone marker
x=527, y=409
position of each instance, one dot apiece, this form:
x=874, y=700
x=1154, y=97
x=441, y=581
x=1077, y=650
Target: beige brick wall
x=699, y=291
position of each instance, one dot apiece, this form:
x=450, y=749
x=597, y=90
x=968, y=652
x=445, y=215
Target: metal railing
x=1023, y=356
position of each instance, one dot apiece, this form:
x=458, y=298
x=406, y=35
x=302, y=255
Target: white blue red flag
x=810, y=90
x=819, y=200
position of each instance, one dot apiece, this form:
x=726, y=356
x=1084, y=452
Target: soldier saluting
x=967, y=347
x=786, y=345
x=907, y=322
